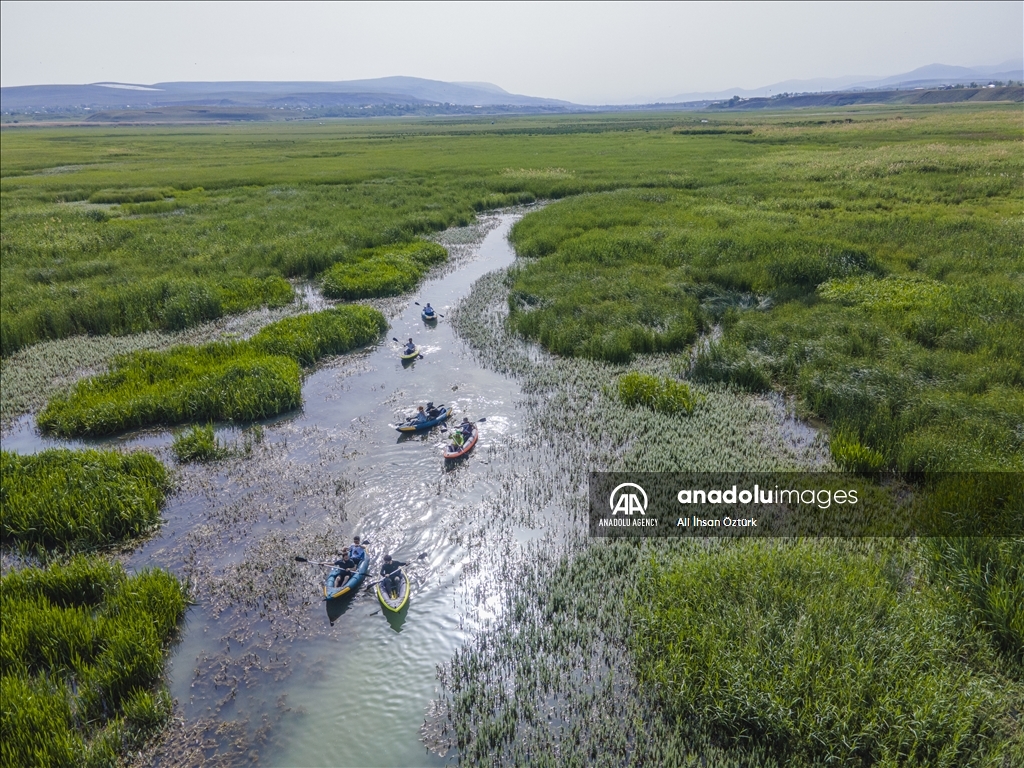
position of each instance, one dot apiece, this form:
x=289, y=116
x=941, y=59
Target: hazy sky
x=582, y=52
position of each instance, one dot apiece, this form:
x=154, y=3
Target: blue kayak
x=333, y=591
x=411, y=426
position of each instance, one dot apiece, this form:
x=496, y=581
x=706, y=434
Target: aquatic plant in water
x=661, y=394
x=218, y=382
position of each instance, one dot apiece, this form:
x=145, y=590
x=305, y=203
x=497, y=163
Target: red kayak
x=466, y=448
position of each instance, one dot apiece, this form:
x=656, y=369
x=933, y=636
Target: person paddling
x=409, y=347
x=466, y=428
x=420, y=417
x=391, y=577
x=348, y=568
x=428, y=310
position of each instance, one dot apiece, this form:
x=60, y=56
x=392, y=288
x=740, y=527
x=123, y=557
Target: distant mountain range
x=409, y=95
x=412, y=91
x=931, y=76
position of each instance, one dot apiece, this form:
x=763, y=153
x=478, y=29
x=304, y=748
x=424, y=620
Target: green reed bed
x=384, y=271
x=659, y=393
x=901, y=324
x=59, y=308
x=823, y=654
x=237, y=381
x=71, y=268
x=82, y=649
x=67, y=500
x=215, y=382
x=741, y=654
x=307, y=338
x=926, y=388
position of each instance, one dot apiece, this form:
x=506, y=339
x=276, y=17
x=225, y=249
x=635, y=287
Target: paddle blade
x=300, y=559
x=416, y=303
x=480, y=421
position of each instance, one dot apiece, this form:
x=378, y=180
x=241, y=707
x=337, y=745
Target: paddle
x=300, y=559
x=412, y=419
x=478, y=421
x=435, y=311
x=378, y=581
x=420, y=357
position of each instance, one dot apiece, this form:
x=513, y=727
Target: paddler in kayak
x=388, y=571
x=428, y=310
x=409, y=347
x=466, y=428
x=355, y=550
x=457, y=440
x=348, y=568
x=420, y=417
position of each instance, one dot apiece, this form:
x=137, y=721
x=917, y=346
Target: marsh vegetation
x=696, y=289
x=70, y=501
x=223, y=381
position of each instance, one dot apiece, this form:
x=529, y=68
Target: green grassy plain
x=867, y=261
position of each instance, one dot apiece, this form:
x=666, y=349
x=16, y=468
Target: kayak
x=429, y=318
x=414, y=427
x=466, y=448
x=397, y=600
x=348, y=586
x=412, y=355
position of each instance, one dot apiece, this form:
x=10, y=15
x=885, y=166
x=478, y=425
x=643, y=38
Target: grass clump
x=239, y=381
x=215, y=382
x=385, y=271
x=307, y=338
x=821, y=654
x=198, y=443
x=71, y=500
x=81, y=653
x=659, y=393
x=851, y=456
